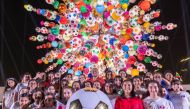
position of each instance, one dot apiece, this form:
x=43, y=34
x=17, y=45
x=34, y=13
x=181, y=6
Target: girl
x=137, y=82
x=9, y=92
x=32, y=84
x=179, y=98
x=87, y=84
x=109, y=75
x=51, y=89
x=153, y=101
x=97, y=85
x=64, y=83
x=164, y=93
x=168, y=76
x=76, y=86
x=123, y=74
x=127, y=100
x=82, y=79
x=117, y=84
x=138, y=89
x=66, y=93
x=108, y=89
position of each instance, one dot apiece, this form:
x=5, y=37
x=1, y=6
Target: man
x=23, y=102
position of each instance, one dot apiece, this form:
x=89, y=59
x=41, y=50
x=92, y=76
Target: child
x=128, y=99
x=9, y=92
x=179, y=98
x=153, y=101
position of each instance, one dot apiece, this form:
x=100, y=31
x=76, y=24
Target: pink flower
x=142, y=50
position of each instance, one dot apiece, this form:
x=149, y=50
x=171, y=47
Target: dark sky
x=19, y=55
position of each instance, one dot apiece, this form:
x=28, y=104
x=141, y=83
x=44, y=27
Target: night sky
x=19, y=55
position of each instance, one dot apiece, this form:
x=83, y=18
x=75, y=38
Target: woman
x=9, y=93
x=128, y=99
x=179, y=98
x=153, y=101
x=108, y=90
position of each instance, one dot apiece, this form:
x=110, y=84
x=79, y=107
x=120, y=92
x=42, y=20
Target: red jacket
x=129, y=103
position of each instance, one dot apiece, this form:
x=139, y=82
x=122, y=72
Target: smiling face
x=153, y=88
x=127, y=87
x=176, y=86
x=108, y=88
x=32, y=84
x=97, y=85
x=37, y=96
x=11, y=83
x=122, y=74
x=67, y=93
x=117, y=81
x=51, y=89
x=158, y=77
x=24, y=101
x=76, y=86
x=137, y=82
x=82, y=78
x=87, y=85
